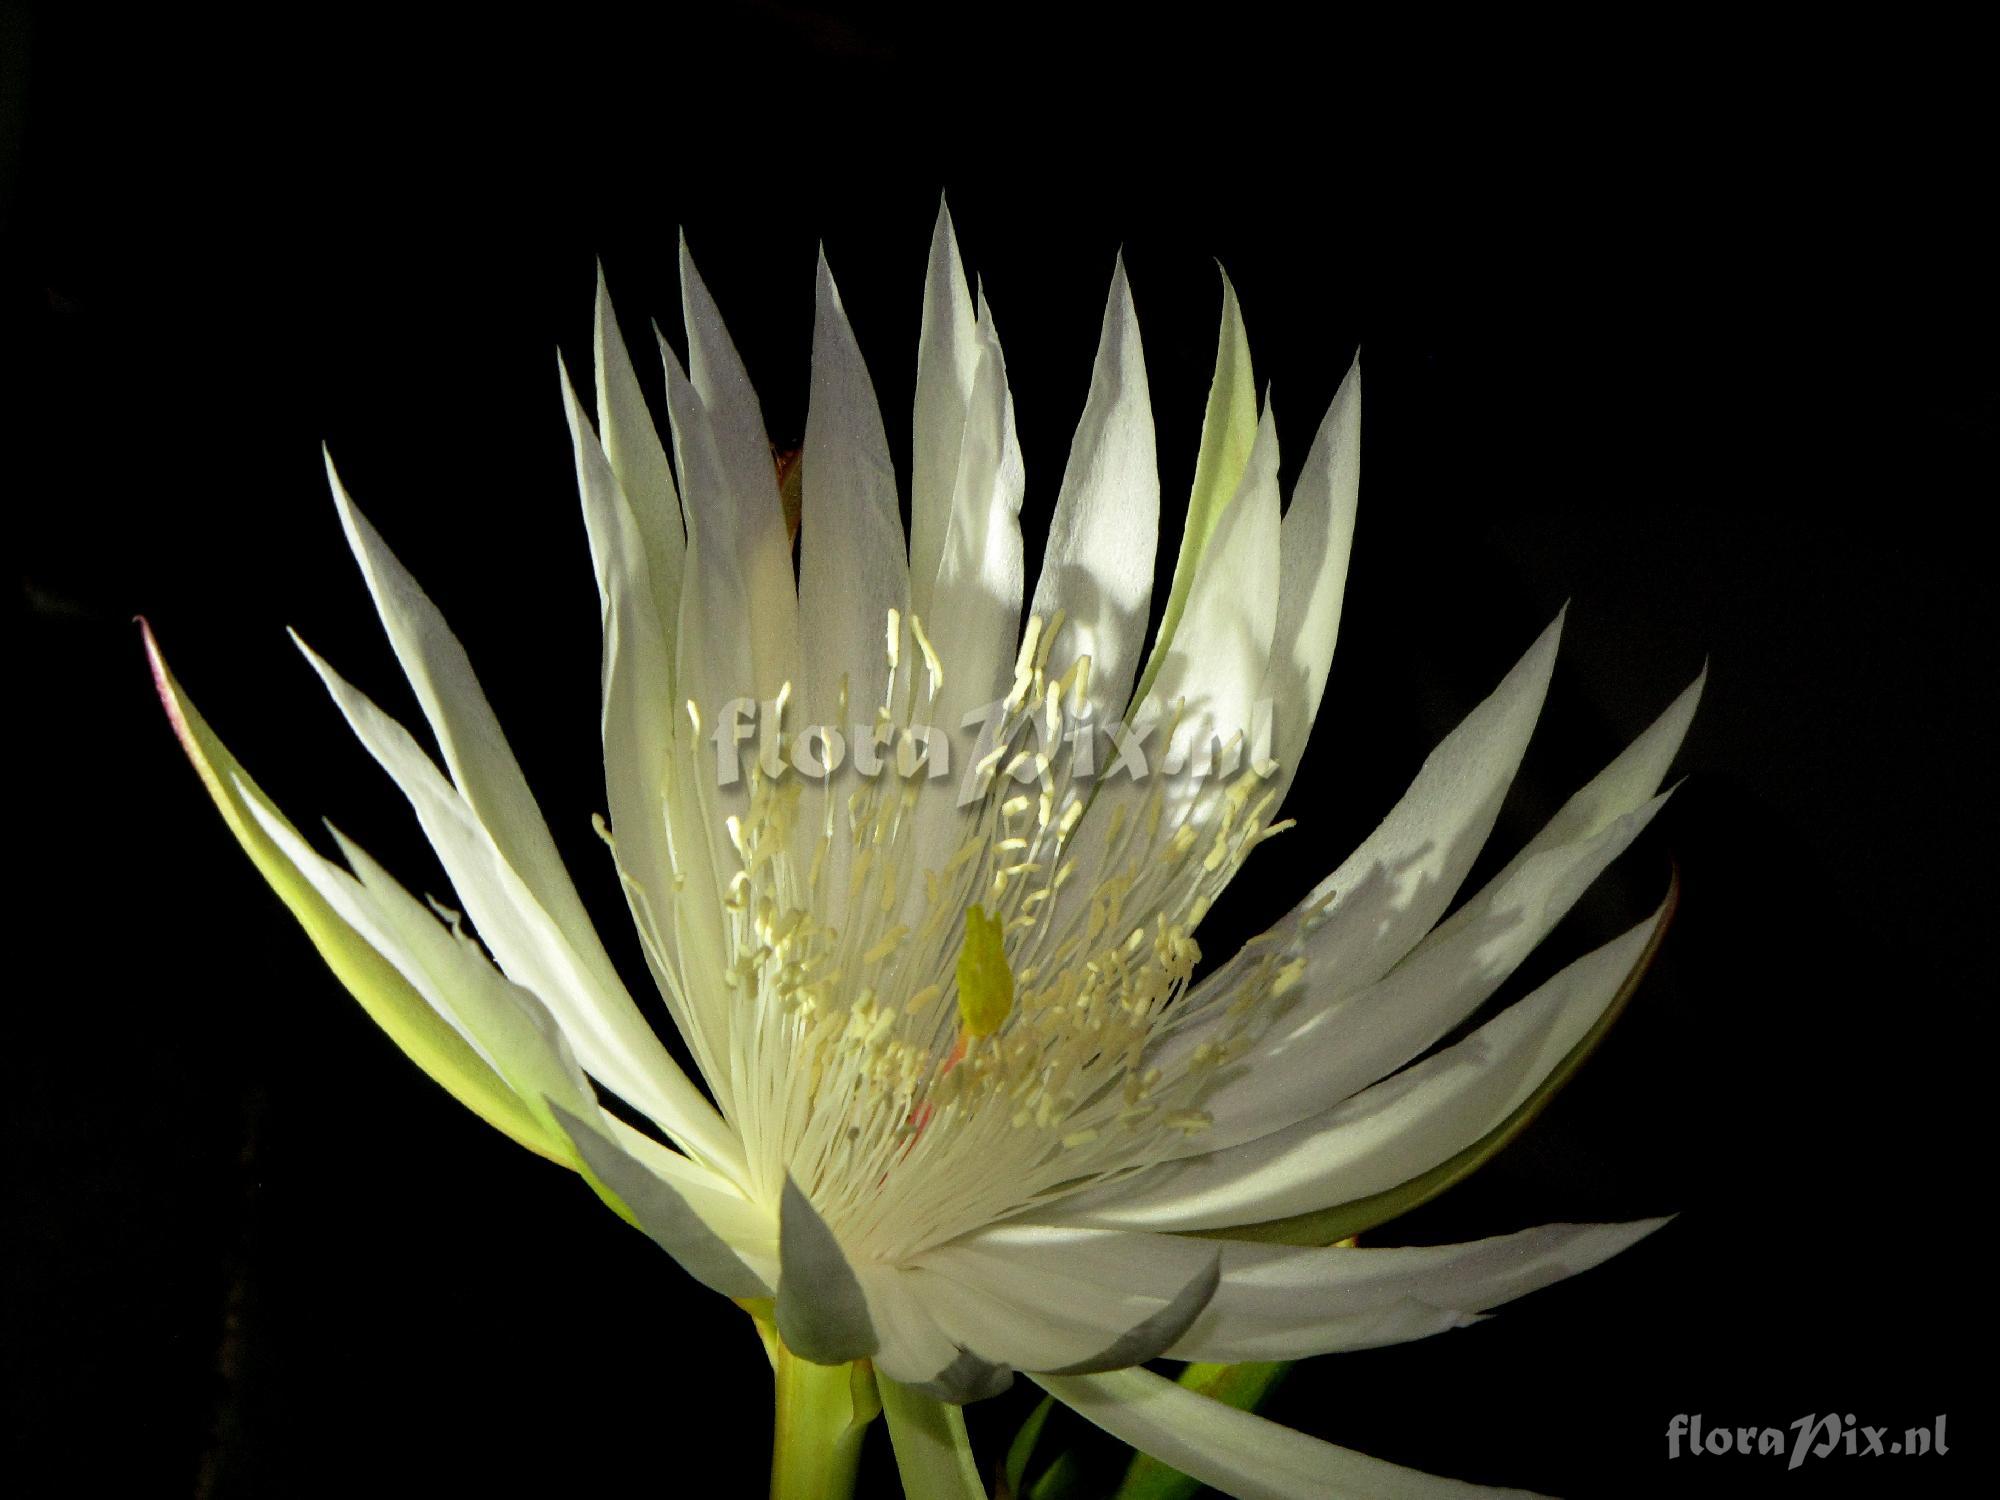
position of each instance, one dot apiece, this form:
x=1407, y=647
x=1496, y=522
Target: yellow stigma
x=985, y=983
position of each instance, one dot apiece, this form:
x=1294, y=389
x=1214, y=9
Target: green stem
x=823, y=1416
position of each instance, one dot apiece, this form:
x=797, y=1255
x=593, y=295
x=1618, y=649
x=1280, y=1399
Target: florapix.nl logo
x=1815, y=1436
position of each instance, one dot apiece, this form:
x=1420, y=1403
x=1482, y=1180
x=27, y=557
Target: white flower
x=966, y=1110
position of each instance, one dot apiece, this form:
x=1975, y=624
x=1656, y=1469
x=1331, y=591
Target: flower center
x=947, y=1009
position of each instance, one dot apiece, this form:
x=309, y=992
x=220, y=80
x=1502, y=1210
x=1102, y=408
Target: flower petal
x=1342, y=1048
x=1358, y=922
x=475, y=749
x=822, y=1311
x=426, y=1037
x=851, y=554
x=632, y=445
x=1228, y=433
x=915, y=1351
x=1238, y=1452
x=749, y=478
x=1097, y=569
x=509, y=1028
x=1218, y=658
x=663, y=1213
x=1314, y=543
x=1288, y=1302
x=1396, y=1130
x=949, y=350
x=1205, y=693
x=611, y=1039
x=638, y=716
x=975, y=608
x=1041, y=1298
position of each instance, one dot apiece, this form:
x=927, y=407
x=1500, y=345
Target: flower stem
x=823, y=1416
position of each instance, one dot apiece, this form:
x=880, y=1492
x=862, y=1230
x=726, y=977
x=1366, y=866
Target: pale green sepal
x=506, y=1025
x=1021, y=1452
x=822, y=1312
x=425, y=1037
x=1326, y=1226
x=1242, y=1386
x=1228, y=432
x=660, y=1212
x=933, y=1454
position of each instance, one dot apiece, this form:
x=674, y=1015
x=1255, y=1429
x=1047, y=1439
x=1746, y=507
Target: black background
x=1690, y=326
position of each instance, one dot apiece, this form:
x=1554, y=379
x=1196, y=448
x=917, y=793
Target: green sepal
x=933, y=1453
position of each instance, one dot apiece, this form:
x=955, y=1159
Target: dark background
x=1692, y=326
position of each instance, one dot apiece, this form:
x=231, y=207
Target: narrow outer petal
x=1238, y=1452
x=632, y=445
x=390, y=1000
x=1097, y=568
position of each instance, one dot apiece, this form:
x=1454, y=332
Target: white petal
x=1314, y=1064
x=1314, y=544
x=638, y=717
x=610, y=1038
x=1041, y=1298
x=1392, y=889
x=1288, y=1302
x=1217, y=660
x=948, y=356
x=475, y=750
x=974, y=616
x=1203, y=701
x=744, y=452
x=822, y=1311
x=852, y=568
x=1384, y=896
x=1398, y=1129
x=744, y=614
x=1618, y=789
x=632, y=444
x=915, y=1350
x=1238, y=1452
x=1228, y=433
x=1097, y=569
x=664, y=1213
